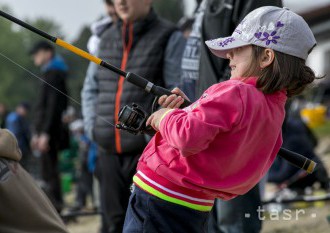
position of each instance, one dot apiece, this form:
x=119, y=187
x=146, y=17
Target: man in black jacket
x=48, y=116
x=220, y=20
x=142, y=43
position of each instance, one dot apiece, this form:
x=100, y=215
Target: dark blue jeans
x=149, y=214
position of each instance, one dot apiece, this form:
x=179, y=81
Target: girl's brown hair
x=285, y=73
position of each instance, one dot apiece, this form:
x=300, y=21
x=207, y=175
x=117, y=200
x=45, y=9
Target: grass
x=323, y=131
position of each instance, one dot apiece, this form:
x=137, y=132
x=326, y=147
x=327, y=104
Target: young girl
x=223, y=144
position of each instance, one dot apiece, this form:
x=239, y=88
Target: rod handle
x=150, y=87
x=159, y=91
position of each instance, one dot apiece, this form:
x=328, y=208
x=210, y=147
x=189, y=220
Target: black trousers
x=84, y=184
x=115, y=173
x=51, y=177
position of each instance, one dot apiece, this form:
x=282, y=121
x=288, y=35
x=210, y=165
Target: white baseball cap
x=271, y=27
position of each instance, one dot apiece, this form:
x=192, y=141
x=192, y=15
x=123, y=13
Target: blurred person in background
x=68, y=116
x=68, y=150
x=185, y=25
x=84, y=174
x=200, y=70
x=300, y=139
x=100, y=26
x=3, y=115
x=142, y=43
x=97, y=30
x=48, y=116
x=19, y=125
x=191, y=55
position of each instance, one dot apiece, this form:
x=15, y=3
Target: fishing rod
x=295, y=159
x=130, y=77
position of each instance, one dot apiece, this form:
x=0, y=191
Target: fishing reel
x=133, y=119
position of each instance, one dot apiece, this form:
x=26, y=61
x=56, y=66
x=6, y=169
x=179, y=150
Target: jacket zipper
x=126, y=50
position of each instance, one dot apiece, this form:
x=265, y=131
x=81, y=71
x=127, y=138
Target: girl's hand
x=155, y=118
x=173, y=101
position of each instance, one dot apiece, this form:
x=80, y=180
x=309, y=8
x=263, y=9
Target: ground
x=303, y=225
x=315, y=218
x=303, y=219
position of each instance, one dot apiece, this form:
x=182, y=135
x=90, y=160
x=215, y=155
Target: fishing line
x=42, y=80
x=292, y=157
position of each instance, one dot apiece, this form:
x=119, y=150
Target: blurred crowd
x=61, y=144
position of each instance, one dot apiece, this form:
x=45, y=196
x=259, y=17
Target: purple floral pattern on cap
x=269, y=37
x=226, y=41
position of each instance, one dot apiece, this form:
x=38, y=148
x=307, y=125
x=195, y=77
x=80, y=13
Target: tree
x=44, y=24
x=78, y=66
x=16, y=84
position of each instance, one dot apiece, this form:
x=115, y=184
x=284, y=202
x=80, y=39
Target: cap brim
x=219, y=47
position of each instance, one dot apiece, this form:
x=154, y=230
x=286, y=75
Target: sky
x=72, y=15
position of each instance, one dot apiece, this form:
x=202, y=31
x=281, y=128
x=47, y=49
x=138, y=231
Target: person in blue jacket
x=51, y=103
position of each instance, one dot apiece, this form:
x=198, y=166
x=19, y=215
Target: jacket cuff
x=164, y=118
x=165, y=113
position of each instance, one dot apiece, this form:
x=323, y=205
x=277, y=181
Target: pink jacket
x=219, y=147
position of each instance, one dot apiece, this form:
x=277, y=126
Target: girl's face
x=240, y=61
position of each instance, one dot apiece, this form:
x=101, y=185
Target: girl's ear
x=267, y=58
